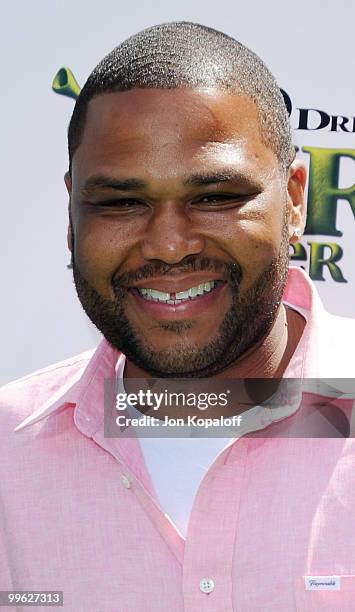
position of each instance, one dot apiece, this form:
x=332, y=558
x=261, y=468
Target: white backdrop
x=308, y=46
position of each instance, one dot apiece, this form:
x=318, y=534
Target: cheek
x=255, y=247
x=252, y=236
x=99, y=251
x=261, y=230
x=251, y=240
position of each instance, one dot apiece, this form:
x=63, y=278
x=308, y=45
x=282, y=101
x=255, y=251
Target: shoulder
x=24, y=395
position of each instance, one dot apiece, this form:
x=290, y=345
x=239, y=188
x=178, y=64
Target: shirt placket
x=208, y=582
x=135, y=479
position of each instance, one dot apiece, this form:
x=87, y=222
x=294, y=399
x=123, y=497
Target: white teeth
x=182, y=295
x=159, y=295
x=193, y=291
x=163, y=296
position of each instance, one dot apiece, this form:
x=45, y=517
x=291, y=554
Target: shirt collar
x=89, y=383
x=285, y=401
x=86, y=394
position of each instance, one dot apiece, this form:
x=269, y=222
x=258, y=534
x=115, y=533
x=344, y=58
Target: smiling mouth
x=191, y=294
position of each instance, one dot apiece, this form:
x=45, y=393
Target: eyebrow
x=225, y=176
x=195, y=180
x=107, y=182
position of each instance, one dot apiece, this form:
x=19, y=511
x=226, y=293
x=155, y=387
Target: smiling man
x=180, y=227
x=184, y=199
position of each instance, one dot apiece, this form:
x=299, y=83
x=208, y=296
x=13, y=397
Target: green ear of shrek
x=65, y=84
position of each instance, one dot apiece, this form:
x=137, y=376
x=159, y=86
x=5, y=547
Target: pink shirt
x=78, y=512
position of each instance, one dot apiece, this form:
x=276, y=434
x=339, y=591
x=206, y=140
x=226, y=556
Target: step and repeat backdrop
x=51, y=50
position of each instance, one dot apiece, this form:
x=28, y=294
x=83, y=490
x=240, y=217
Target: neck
x=267, y=359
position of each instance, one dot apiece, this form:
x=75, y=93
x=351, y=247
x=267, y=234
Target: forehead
x=159, y=127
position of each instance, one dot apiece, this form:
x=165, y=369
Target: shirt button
x=125, y=481
x=206, y=585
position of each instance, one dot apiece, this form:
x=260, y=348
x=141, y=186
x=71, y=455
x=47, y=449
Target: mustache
x=230, y=271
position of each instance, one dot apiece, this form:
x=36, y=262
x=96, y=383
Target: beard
x=247, y=321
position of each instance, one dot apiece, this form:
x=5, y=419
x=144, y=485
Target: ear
x=296, y=183
x=70, y=238
x=67, y=181
x=68, y=184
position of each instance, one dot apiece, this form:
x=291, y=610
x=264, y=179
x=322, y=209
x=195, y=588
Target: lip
x=185, y=310
x=175, y=285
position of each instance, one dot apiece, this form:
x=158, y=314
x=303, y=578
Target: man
x=184, y=198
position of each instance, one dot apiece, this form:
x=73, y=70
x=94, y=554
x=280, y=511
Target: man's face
x=179, y=227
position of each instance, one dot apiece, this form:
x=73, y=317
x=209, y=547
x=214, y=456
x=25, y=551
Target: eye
x=123, y=204
x=222, y=200
x=214, y=199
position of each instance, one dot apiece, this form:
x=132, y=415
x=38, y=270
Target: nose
x=170, y=235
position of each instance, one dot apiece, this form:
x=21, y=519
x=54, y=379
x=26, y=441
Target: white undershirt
x=177, y=465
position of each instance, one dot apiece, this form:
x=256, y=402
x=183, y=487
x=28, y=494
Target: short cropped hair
x=184, y=54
